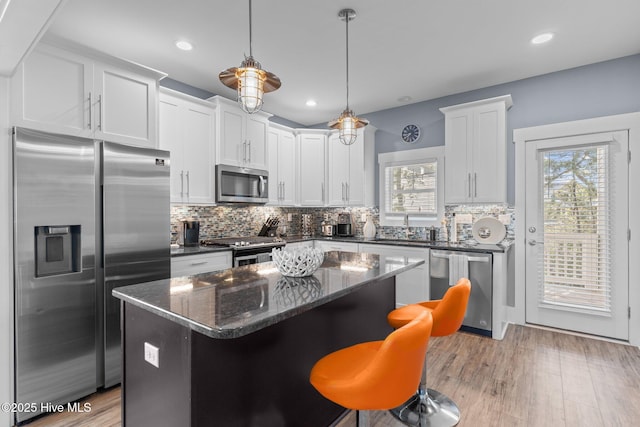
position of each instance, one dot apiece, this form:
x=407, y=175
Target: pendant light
x=347, y=123
x=250, y=80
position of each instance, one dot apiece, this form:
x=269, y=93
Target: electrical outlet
x=505, y=219
x=464, y=218
x=151, y=354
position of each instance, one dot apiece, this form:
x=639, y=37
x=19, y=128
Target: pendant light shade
x=347, y=123
x=250, y=80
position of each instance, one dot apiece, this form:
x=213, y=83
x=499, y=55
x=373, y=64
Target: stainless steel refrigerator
x=89, y=216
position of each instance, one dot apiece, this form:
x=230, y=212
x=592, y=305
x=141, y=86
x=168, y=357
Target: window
x=411, y=184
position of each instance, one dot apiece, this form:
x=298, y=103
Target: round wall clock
x=410, y=133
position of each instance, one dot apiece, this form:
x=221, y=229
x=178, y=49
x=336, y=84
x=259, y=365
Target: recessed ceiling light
x=542, y=38
x=404, y=99
x=311, y=103
x=184, y=45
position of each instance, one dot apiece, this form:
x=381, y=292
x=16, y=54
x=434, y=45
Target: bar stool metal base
x=430, y=409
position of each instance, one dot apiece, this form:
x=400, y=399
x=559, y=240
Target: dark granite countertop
x=238, y=301
x=196, y=250
x=504, y=246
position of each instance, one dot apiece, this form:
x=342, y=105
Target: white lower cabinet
x=411, y=286
x=328, y=245
x=201, y=263
x=298, y=245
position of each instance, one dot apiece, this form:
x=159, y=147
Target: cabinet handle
x=249, y=146
x=244, y=152
x=181, y=184
x=100, y=112
x=198, y=263
x=475, y=184
x=283, y=191
x=346, y=184
x=322, y=184
x=469, y=183
x=342, y=183
x=188, y=185
x=90, y=109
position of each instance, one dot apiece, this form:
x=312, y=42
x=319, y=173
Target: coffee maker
x=189, y=233
x=345, y=226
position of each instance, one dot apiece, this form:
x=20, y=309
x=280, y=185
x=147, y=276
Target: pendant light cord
x=347, y=18
x=250, y=35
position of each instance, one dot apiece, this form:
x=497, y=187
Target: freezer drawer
x=446, y=267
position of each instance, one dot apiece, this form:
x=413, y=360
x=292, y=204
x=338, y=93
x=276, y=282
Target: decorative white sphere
x=297, y=262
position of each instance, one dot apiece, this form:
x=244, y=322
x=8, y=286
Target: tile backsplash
x=247, y=220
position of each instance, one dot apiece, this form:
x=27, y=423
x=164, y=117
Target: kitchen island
x=236, y=347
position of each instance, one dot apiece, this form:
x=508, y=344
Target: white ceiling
x=417, y=48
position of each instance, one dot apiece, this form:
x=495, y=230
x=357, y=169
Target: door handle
x=100, y=112
x=188, y=185
x=181, y=184
x=90, y=110
x=475, y=184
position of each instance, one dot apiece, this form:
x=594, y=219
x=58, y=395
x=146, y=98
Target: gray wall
x=601, y=89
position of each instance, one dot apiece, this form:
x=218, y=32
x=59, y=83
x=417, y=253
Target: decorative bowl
x=297, y=262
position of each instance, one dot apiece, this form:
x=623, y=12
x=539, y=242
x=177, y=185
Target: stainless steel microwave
x=235, y=184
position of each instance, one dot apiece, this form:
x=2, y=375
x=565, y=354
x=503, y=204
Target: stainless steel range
x=247, y=250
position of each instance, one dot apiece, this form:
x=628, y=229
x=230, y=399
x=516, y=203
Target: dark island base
x=260, y=379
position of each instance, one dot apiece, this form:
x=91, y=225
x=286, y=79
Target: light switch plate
x=151, y=354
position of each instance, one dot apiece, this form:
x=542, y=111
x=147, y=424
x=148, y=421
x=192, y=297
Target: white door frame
x=630, y=122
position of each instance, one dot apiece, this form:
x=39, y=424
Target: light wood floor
x=532, y=378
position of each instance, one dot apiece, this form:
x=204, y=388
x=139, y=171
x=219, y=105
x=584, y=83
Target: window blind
x=575, y=270
x=411, y=188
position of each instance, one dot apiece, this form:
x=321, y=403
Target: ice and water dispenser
x=57, y=249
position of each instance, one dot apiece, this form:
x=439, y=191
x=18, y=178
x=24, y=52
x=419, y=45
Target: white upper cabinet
x=476, y=151
x=242, y=137
x=351, y=169
x=187, y=130
x=282, y=166
x=312, y=167
x=86, y=94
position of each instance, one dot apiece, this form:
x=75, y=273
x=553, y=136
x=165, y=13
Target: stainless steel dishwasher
x=446, y=267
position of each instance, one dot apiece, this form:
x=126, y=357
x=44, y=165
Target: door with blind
x=576, y=233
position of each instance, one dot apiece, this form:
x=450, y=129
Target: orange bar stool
x=376, y=375
x=428, y=407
